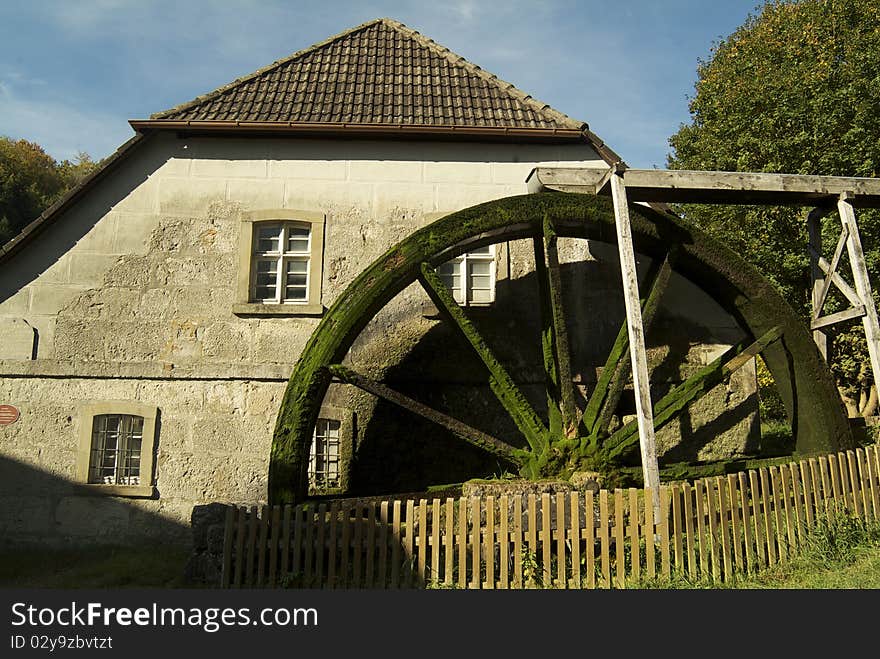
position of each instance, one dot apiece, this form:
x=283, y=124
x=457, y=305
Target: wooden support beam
x=814, y=231
x=471, y=435
x=838, y=281
x=683, y=186
x=860, y=278
x=502, y=385
x=832, y=267
x=839, y=317
x=635, y=329
x=555, y=345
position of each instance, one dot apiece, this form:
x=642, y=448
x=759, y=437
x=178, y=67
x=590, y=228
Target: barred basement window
x=471, y=276
x=324, y=455
x=115, y=457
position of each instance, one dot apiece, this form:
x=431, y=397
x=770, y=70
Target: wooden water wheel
x=568, y=436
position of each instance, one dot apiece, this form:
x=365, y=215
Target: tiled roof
x=379, y=73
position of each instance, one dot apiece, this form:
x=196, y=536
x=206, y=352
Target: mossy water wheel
x=569, y=437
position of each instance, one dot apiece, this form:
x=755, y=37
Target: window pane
x=266, y=280
x=324, y=454
x=482, y=251
x=268, y=239
x=295, y=287
x=478, y=295
x=480, y=267
x=298, y=240
x=115, y=456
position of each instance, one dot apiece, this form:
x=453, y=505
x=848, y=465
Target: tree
x=795, y=89
x=31, y=181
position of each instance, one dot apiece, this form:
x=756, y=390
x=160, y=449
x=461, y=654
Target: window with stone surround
x=116, y=440
x=280, y=263
x=471, y=276
x=331, y=450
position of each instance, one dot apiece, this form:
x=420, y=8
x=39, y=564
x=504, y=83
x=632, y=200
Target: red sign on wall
x=8, y=414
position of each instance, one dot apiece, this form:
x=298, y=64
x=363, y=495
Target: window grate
x=324, y=455
x=115, y=456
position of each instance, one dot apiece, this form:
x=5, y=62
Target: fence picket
x=724, y=528
x=676, y=529
x=603, y=538
x=435, y=541
x=384, y=521
x=228, y=537
x=650, y=534
x=871, y=456
x=370, y=558
x=489, y=543
x=331, y=542
x=834, y=470
x=273, y=545
x=395, y=544
x=575, y=536
x=504, y=512
x=735, y=524
x=778, y=516
x=449, y=541
x=408, y=544
x=713, y=529
x=560, y=541
x=476, y=577
x=864, y=485
x=251, y=546
x=462, y=542
x=285, y=541
x=619, y=558
x=766, y=501
x=761, y=552
x=664, y=532
x=517, y=542
x=532, y=532
x=797, y=495
x=422, y=562
x=635, y=554
x=590, y=537
x=807, y=492
x=687, y=493
x=702, y=538
x=308, y=574
x=748, y=538
x=788, y=507
x=298, y=531
x=357, y=549
x=239, y=545
x=855, y=486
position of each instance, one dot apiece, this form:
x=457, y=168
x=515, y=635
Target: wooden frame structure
x=658, y=187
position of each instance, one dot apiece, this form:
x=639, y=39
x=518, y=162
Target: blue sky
x=73, y=72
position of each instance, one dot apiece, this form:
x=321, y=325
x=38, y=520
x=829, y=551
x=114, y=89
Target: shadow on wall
x=401, y=452
x=40, y=508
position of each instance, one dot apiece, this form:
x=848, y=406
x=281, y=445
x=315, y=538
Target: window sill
x=257, y=309
x=134, y=491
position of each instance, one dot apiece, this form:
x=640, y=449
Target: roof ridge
x=274, y=65
x=463, y=63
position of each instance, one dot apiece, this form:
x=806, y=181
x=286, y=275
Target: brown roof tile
x=381, y=72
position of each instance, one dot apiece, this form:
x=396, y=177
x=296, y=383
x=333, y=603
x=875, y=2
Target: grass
x=94, y=567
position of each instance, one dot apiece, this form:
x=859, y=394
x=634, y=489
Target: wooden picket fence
x=714, y=528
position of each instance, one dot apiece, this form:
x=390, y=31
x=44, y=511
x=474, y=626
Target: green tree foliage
x=31, y=181
x=796, y=89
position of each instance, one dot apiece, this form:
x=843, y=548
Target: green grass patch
x=93, y=567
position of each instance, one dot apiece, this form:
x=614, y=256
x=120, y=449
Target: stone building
x=151, y=318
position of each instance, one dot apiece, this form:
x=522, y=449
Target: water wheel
x=569, y=435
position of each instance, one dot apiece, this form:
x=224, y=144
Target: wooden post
x=635, y=329
x=860, y=278
x=814, y=229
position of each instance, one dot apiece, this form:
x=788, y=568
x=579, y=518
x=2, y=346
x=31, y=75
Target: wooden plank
x=310, y=546
x=798, y=499
x=285, y=541
x=759, y=522
x=871, y=457
x=748, y=536
x=712, y=510
x=634, y=538
x=251, y=546
x=449, y=542
x=860, y=279
x=689, y=531
x=532, y=533
x=834, y=470
x=735, y=522
x=807, y=493
x=275, y=531
x=819, y=291
x=724, y=528
x=620, y=553
x=228, y=539
x=838, y=281
x=704, y=543
x=675, y=494
x=854, y=483
x=825, y=286
x=422, y=561
x=344, y=579
x=321, y=530
x=333, y=542
x=839, y=317
x=370, y=558
x=546, y=541
x=635, y=330
x=489, y=543
x=864, y=483
x=357, y=549
x=827, y=489
x=240, y=546
x=262, y=542
x=435, y=541
x=590, y=538
x=664, y=533
x=788, y=507
x=604, y=539
x=384, y=524
x=298, y=540
x=778, y=516
x=476, y=578
x=816, y=487
x=504, y=542
x=408, y=544
x=517, y=542
x=561, y=577
x=575, y=535
x=395, y=544
x=462, y=542
x=650, y=535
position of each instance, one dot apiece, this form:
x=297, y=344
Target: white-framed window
x=324, y=455
x=115, y=455
x=116, y=441
x=281, y=260
x=471, y=276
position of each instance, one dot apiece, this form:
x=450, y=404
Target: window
x=471, y=276
x=116, y=447
x=324, y=455
x=280, y=263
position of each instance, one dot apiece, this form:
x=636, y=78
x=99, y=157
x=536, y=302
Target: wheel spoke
x=605, y=397
x=502, y=385
x=471, y=435
x=692, y=389
x=562, y=411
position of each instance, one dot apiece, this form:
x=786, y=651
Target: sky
x=73, y=72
